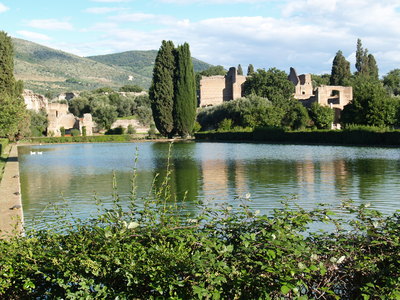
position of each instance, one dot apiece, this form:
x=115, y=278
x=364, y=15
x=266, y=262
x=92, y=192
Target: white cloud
x=3, y=8
x=33, y=35
x=143, y=17
x=306, y=36
x=102, y=10
x=50, y=24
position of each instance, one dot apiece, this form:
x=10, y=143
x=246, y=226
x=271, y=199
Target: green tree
x=39, y=122
x=373, y=70
x=131, y=89
x=318, y=80
x=272, y=84
x=104, y=115
x=365, y=63
x=322, y=116
x=7, y=80
x=296, y=116
x=185, y=92
x=371, y=105
x=239, y=70
x=340, y=74
x=392, y=82
x=79, y=106
x=161, y=92
x=250, y=69
x=360, y=56
x=14, y=118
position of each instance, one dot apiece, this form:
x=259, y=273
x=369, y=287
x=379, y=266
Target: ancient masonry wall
x=214, y=90
x=334, y=96
x=134, y=123
x=59, y=116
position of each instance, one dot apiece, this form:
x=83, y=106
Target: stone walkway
x=11, y=214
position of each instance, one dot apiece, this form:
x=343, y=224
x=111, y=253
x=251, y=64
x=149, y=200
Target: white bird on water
x=36, y=152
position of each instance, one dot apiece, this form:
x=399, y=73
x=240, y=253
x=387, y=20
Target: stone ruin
x=336, y=97
x=215, y=90
x=57, y=114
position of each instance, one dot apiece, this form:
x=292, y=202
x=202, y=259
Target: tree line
x=375, y=101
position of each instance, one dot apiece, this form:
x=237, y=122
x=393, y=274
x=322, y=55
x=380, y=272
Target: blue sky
x=304, y=34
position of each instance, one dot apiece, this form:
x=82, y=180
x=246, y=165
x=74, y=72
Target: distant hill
x=46, y=70
x=140, y=62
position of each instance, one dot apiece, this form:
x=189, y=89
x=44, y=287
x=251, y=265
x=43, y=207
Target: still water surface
x=77, y=174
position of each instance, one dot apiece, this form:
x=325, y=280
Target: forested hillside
x=48, y=71
x=140, y=62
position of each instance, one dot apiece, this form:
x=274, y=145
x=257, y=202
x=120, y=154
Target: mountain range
x=48, y=71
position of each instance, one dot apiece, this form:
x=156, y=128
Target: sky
x=304, y=34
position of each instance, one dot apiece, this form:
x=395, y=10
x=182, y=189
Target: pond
x=81, y=174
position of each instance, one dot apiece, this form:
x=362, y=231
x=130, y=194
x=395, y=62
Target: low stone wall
x=135, y=124
x=11, y=213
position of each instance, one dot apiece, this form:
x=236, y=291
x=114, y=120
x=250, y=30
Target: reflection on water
x=210, y=172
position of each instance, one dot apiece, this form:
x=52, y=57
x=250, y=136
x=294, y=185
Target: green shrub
x=225, y=125
x=116, y=131
x=62, y=130
x=131, y=88
x=83, y=130
x=358, y=127
x=159, y=250
x=3, y=145
x=322, y=116
x=196, y=127
x=152, y=131
x=131, y=129
x=75, y=132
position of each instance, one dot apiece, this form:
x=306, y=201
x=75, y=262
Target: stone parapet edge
x=11, y=212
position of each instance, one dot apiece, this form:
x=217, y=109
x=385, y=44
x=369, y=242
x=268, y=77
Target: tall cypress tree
x=161, y=92
x=360, y=56
x=185, y=92
x=250, y=70
x=239, y=70
x=373, y=71
x=7, y=81
x=14, y=119
x=340, y=70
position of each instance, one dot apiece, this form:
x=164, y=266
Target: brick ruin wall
x=214, y=90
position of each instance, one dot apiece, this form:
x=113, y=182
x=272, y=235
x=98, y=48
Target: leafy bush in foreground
x=160, y=250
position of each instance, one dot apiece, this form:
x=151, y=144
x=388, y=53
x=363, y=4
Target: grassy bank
x=88, y=139
x=335, y=137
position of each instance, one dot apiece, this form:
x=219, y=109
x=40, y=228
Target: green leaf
x=285, y=289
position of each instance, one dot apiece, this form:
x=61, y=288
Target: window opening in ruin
x=56, y=113
x=335, y=93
